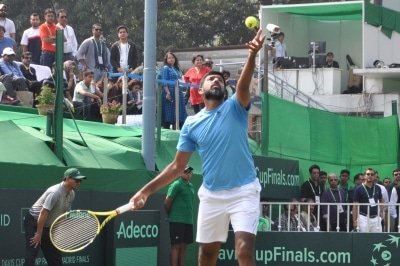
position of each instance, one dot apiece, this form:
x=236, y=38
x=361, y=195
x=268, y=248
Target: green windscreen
x=330, y=140
x=136, y=256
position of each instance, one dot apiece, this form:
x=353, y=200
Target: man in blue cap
x=55, y=201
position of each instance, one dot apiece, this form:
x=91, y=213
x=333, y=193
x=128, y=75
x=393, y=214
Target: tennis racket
x=74, y=230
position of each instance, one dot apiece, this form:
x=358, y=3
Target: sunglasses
x=63, y=17
x=396, y=174
x=369, y=174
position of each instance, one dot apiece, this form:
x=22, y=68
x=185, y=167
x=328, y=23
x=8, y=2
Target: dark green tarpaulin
x=328, y=12
x=335, y=141
x=377, y=16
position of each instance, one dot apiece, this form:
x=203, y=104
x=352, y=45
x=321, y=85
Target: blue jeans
x=47, y=59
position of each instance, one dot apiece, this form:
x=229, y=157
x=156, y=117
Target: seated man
x=330, y=62
x=12, y=77
x=86, y=98
x=29, y=73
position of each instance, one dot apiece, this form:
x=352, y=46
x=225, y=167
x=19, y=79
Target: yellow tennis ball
x=251, y=22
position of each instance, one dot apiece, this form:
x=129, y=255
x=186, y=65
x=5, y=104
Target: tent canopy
x=335, y=11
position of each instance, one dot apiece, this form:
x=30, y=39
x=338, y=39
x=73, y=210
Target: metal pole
x=149, y=86
x=58, y=108
x=124, y=95
x=265, y=105
x=105, y=88
x=177, y=105
x=159, y=110
x=265, y=87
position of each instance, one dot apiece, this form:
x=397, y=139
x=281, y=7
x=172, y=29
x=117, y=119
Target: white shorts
x=240, y=206
x=369, y=225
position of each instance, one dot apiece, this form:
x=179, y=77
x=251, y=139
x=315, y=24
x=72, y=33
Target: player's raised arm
x=242, y=88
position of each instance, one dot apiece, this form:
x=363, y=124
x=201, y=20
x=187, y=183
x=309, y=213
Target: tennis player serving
x=230, y=191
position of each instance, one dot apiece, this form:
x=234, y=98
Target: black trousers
x=52, y=255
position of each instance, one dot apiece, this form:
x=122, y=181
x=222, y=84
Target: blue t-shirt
x=6, y=42
x=363, y=194
x=220, y=137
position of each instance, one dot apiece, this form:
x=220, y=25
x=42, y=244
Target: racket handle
x=125, y=208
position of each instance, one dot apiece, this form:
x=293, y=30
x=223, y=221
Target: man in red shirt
x=47, y=32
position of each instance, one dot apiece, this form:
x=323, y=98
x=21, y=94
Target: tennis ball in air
x=251, y=22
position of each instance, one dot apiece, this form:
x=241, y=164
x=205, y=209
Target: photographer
x=279, y=50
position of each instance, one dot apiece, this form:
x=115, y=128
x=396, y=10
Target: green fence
x=333, y=141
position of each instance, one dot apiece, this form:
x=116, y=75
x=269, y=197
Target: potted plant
x=46, y=100
x=110, y=111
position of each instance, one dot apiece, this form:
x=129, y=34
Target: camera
x=274, y=31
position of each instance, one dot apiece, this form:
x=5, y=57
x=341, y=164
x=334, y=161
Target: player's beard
x=215, y=93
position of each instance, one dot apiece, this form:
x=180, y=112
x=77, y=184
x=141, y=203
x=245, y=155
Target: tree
x=180, y=23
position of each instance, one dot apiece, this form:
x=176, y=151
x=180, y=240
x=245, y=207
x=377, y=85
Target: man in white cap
x=13, y=78
x=55, y=201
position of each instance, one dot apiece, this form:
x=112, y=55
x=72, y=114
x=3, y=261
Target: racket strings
x=74, y=231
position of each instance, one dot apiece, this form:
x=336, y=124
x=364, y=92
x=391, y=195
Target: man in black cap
x=55, y=201
x=179, y=207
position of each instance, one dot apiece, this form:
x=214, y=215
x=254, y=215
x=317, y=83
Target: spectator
x=308, y=221
x=29, y=74
x=323, y=176
x=135, y=97
x=5, y=41
x=396, y=180
x=330, y=63
x=7, y=23
x=337, y=196
x=264, y=222
x=386, y=183
x=124, y=55
x=344, y=180
x=86, y=98
x=208, y=62
x=69, y=72
x=171, y=73
x=229, y=87
x=11, y=69
x=279, y=50
x=47, y=32
x=179, y=207
x=70, y=42
x=31, y=41
x=311, y=189
x=358, y=179
x=366, y=217
x=193, y=76
x=394, y=210
x=287, y=221
x=93, y=54
x=385, y=199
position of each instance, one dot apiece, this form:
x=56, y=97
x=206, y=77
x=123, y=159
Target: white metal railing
x=312, y=217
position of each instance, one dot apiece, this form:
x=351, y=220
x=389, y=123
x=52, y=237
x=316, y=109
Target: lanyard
x=333, y=196
x=373, y=192
x=319, y=188
x=97, y=48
